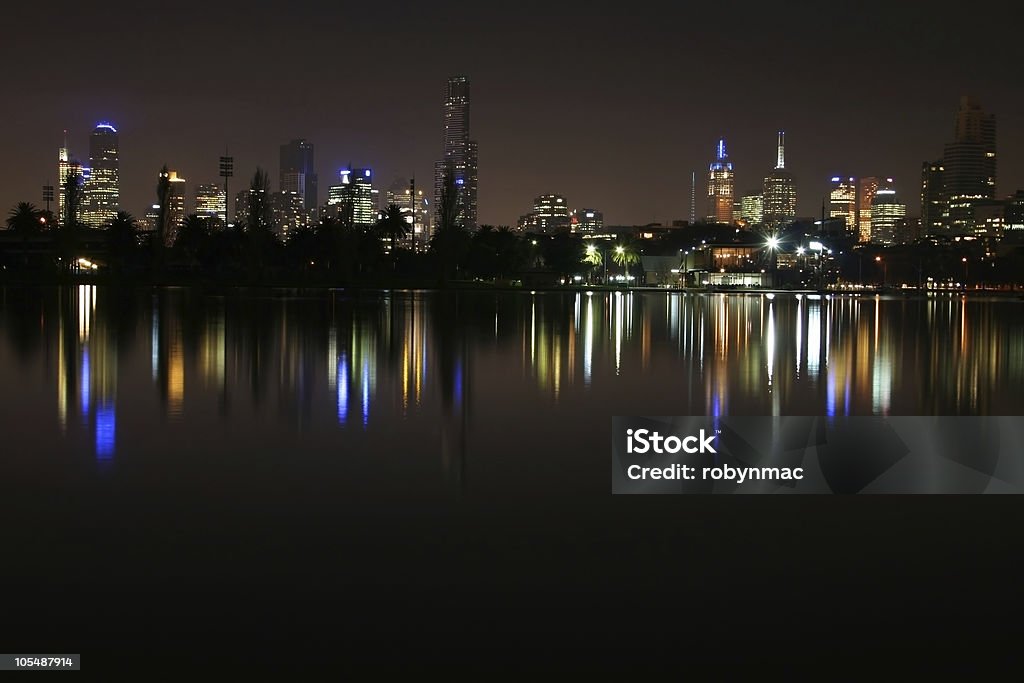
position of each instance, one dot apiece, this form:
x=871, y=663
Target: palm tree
x=25, y=219
x=122, y=238
x=626, y=254
x=450, y=234
x=193, y=235
x=392, y=225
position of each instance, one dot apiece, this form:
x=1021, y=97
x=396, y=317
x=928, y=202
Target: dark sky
x=611, y=107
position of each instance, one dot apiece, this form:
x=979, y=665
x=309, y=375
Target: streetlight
x=964, y=260
x=885, y=269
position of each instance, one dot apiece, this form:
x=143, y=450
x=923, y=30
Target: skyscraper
x=66, y=165
x=211, y=201
x=298, y=173
x=752, y=209
x=102, y=193
x=934, y=208
x=720, y=187
x=416, y=209
x=866, y=188
x=175, y=206
x=842, y=202
x=887, y=211
x=459, y=153
x=779, y=190
x=969, y=163
x=355, y=198
x=287, y=213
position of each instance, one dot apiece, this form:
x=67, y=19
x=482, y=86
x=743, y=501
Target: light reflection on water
x=370, y=361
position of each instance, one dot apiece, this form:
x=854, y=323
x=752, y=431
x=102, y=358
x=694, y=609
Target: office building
x=721, y=182
x=969, y=163
x=416, y=208
x=460, y=152
x=550, y=215
x=779, y=190
x=287, y=213
x=102, y=191
x=751, y=210
x=934, y=207
x=586, y=221
x=211, y=202
x=175, y=206
x=298, y=174
x=866, y=188
x=354, y=199
x=887, y=211
x=842, y=201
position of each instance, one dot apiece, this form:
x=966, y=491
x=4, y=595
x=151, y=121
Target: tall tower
x=720, y=187
x=779, y=190
x=459, y=151
x=103, y=189
x=934, y=209
x=969, y=163
x=298, y=174
x=65, y=165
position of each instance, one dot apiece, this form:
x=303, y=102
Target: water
x=169, y=454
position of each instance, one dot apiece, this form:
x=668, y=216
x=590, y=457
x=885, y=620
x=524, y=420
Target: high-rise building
x=416, y=209
x=720, y=187
x=842, y=201
x=934, y=207
x=298, y=174
x=66, y=165
x=102, y=194
x=354, y=194
x=866, y=188
x=969, y=163
x=287, y=213
x=779, y=190
x=1013, y=220
x=887, y=211
x=586, y=221
x=211, y=201
x=175, y=206
x=459, y=153
x=752, y=209
x=550, y=215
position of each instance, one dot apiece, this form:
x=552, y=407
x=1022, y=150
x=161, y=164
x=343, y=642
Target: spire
x=721, y=149
x=782, y=150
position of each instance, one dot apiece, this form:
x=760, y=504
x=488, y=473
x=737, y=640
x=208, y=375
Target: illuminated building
x=1013, y=220
x=66, y=165
x=298, y=174
x=842, y=201
x=211, y=201
x=586, y=221
x=720, y=187
x=355, y=198
x=550, y=215
x=866, y=188
x=780, y=190
x=287, y=213
x=175, y=206
x=102, y=195
x=416, y=212
x=934, y=208
x=969, y=163
x=752, y=209
x=988, y=217
x=886, y=213
x=460, y=152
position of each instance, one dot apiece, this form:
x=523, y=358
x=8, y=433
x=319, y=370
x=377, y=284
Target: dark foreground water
x=427, y=473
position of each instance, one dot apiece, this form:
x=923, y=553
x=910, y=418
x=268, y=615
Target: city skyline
x=650, y=119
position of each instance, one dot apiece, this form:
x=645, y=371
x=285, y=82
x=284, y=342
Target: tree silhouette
x=393, y=226
x=26, y=219
x=450, y=237
x=122, y=240
x=193, y=237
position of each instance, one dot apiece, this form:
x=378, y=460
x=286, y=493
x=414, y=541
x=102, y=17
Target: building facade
x=934, y=207
x=211, y=202
x=779, y=190
x=354, y=199
x=586, y=221
x=550, y=215
x=102, y=191
x=842, y=201
x=460, y=152
x=887, y=213
x=969, y=163
x=298, y=174
x=721, y=187
x=866, y=188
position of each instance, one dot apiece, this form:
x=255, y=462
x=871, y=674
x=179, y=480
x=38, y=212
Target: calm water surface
x=177, y=463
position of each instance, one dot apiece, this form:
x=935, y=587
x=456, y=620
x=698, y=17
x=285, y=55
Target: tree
x=67, y=236
x=626, y=254
x=393, y=226
x=193, y=237
x=122, y=239
x=450, y=238
x=26, y=219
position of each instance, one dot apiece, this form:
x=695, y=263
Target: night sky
x=612, y=107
